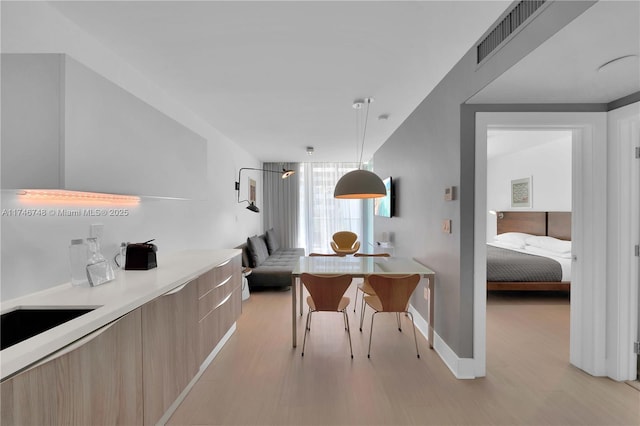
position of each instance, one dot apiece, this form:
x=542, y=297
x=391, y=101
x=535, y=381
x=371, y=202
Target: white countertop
x=130, y=290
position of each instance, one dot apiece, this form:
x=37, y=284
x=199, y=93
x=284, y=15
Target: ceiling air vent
x=519, y=14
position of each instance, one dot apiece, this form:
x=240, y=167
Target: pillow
x=516, y=239
x=272, y=241
x=258, y=250
x=547, y=253
x=505, y=245
x=247, y=260
x=549, y=243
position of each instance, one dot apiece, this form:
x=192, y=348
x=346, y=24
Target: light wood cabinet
x=169, y=347
x=219, y=303
x=132, y=370
x=98, y=380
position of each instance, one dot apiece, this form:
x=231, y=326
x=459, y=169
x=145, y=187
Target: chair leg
x=371, y=334
x=415, y=339
x=398, y=321
x=355, y=299
x=362, y=308
x=306, y=330
x=346, y=318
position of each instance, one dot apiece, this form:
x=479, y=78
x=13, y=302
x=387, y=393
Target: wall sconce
x=495, y=213
x=284, y=174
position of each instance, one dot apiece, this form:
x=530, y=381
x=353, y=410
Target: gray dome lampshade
x=359, y=184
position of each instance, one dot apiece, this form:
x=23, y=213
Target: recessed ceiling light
x=383, y=117
x=309, y=150
x=617, y=60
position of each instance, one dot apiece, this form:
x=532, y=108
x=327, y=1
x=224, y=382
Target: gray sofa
x=271, y=265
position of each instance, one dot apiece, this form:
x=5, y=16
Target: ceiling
x=566, y=68
x=276, y=77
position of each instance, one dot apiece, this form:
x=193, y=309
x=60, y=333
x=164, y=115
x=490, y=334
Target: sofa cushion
x=272, y=241
x=276, y=270
x=258, y=250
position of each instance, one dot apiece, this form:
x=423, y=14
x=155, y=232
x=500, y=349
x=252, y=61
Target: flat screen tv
x=383, y=206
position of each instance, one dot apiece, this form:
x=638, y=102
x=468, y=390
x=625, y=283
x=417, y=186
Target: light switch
x=446, y=226
x=448, y=193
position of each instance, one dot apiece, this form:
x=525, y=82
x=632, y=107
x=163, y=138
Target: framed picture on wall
x=252, y=190
x=521, y=192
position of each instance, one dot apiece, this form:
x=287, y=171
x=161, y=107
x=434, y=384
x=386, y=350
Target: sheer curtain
x=281, y=203
x=321, y=215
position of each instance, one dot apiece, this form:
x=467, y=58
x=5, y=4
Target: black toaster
x=141, y=256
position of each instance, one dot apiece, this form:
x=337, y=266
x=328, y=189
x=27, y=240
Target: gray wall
x=435, y=148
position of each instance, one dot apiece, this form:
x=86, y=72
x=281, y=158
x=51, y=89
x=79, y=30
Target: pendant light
x=359, y=184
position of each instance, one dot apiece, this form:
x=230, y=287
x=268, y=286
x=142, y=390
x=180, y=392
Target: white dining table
x=358, y=267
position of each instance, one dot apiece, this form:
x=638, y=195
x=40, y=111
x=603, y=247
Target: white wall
x=34, y=249
x=549, y=166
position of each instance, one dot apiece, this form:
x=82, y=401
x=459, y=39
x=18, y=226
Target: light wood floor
x=258, y=378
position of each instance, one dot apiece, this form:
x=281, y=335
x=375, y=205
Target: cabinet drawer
x=217, y=322
x=220, y=275
x=206, y=283
x=225, y=270
x=214, y=297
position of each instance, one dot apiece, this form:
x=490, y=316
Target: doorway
x=587, y=322
x=528, y=318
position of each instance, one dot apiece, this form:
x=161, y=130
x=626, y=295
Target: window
x=321, y=215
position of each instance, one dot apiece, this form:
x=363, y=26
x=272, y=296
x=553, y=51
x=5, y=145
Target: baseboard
x=462, y=368
x=167, y=415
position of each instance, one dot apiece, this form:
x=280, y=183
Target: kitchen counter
x=130, y=290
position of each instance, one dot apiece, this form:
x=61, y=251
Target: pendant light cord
x=364, y=131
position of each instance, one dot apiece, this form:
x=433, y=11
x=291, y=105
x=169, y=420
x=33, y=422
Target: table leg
x=294, y=319
x=431, y=281
x=301, y=295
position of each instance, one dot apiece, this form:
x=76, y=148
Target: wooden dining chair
x=326, y=294
x=392, y=295
x=364, y=286
x=345, y=242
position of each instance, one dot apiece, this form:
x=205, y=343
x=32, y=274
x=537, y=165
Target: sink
x=25, y=322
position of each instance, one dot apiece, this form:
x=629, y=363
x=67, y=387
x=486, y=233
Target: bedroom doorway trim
x=623, y=273
x=589, y=177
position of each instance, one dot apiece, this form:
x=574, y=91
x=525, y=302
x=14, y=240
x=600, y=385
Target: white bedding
x=564, y=262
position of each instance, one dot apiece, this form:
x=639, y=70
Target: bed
x=531, y=252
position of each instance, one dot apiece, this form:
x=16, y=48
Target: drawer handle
x=223, y=263
x=223, y=301
x=224, y=282
x=176, y=290
x=74, y=345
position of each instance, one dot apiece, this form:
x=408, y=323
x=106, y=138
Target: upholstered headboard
x=553, y=224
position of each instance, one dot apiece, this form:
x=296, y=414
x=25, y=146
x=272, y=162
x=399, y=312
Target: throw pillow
x=272, y=241
x=549, y=243
x=249, y=254
x=258, y=250
x=513, y=238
